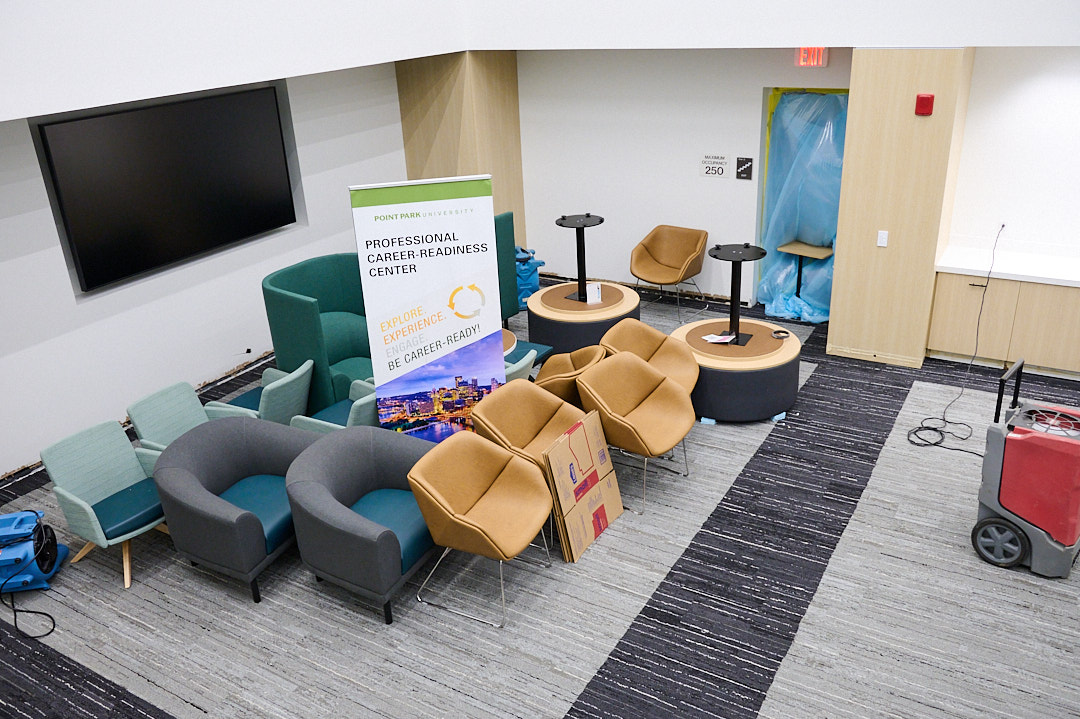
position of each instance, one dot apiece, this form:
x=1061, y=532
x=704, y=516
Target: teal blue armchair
x=315, y=310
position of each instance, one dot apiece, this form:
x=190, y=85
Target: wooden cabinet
x=1046, y=326
x=957, y=301
x=1038, y=322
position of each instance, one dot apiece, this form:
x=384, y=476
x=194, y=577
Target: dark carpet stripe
x=709, y=641
x=37, y=682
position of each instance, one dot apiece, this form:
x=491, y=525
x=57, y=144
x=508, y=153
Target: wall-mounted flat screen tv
x=139, y=189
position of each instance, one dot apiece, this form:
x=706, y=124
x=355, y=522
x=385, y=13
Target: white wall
x=622, y=134
x=68, y=361
x=1020, y=162
x=71, y=54
x=68, y=54
x=688, y=24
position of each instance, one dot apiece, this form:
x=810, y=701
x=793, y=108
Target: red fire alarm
x=924, y=104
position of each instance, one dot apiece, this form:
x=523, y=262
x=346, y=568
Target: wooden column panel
x=898, y=174
x=459, y=116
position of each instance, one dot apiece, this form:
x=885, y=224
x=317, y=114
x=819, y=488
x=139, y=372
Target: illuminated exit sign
x=812, y=57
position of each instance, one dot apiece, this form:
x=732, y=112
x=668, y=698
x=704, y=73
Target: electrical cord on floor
x=11, y=596
x=932, y=431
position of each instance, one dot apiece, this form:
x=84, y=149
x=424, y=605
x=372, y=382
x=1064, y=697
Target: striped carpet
x=723, y=600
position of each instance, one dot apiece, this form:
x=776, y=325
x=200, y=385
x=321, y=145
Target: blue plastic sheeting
x=802, y=200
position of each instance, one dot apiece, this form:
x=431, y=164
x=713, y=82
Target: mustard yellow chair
x=642, y=411
x=559, y=373
x=524, y=419
x=480, y=498
x=672, y=357
x=669, y=255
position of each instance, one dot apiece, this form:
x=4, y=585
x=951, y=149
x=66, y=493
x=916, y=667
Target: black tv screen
x=143, y=188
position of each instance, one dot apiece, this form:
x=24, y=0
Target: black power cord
x=932, y=431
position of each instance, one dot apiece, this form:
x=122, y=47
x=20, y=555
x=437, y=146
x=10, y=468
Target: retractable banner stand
x=431, y=292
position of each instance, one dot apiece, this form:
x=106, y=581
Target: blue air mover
x=29, y=554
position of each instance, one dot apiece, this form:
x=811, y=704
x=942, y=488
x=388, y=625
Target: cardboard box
x=583, y=485
x=600, y=506
x=577, y=461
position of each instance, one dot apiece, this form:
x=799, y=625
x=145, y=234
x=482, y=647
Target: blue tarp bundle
x=802, y=199
x=528, y=275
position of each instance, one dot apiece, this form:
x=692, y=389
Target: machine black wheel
x=999, y=542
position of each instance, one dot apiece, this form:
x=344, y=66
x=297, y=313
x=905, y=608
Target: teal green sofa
x=315, y=309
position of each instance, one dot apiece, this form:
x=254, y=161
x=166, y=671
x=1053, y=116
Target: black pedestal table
x=736, y=255
x=579, y=223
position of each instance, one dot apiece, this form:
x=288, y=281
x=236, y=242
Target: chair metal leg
x=644, y=477
x=535, y=562
x=388, y=613
x=645, y=471
x=697, y=289
x=502, y=595
x=671, y=456
x=659, y=291
x=255, y=596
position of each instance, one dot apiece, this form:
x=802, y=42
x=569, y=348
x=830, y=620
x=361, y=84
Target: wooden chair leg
x=83, y=552
x=126, y=548
x=163, y=528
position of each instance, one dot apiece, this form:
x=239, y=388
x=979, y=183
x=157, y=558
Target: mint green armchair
x=162, y=416
x=522, y=368
x=358, y=410
x=315, y=310
x=279, y=397
x=104, y=488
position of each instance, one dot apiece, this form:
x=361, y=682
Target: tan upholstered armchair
x=559, y=373
x=642, y=411
x=669, y=255
x=672, y=357
x=524, y=418
x=480, y=498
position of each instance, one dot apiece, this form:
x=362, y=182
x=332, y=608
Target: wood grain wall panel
x=896, y=176
x=459, y=116
x=431, y=95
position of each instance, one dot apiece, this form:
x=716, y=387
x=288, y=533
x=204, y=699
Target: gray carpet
x=908, y=622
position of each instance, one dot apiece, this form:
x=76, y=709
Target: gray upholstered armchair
x=357, y=523
x=222, y=486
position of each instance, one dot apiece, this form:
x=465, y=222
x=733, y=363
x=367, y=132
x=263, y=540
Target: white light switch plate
x=883, y=238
